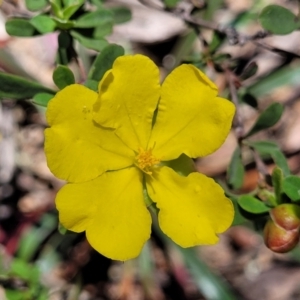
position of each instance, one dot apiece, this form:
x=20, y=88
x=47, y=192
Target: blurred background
x=39, y=260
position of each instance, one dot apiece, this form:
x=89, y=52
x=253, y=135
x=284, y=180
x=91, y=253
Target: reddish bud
x=278, y=239
x=286, y=216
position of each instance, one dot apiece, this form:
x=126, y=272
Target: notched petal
x=191, y=119
x=77, y=149
x=128, y=96
x=192, y=210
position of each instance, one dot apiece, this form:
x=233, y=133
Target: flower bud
x=286, y=216
x=278, y=239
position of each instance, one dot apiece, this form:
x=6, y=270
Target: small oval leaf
x=104, y=61
x=20, y=27
x=236, y=171
x=63, y=76
x=43, y=23
x=267, y=118
x=94, y=19
x=278, y=20
x=15, y=87
x=291, y=186
x=121, y=14
x=95, y=44
x=34, y=5
x=252, y=204
x=42, y=99
x=267, y=149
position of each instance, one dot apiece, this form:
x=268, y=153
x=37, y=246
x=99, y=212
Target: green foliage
x=267, y=118
x=63, y=76
x=15, y=87
x=278, y=20
x=291, y=186
x=209, y=284
x=104, y=61
x=35, y=5
x=277, y=177
x=20, y=27
x=171, y=3
x=252, y=204
x=42, y=99
x=249, y=71
x=43, y=24
x=183, y=165
x=235, y=172
x=121, y=14
x=267, y=149
x=95, y=44
x=94, y=19
x=34, y=236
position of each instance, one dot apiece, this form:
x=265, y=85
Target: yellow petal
x=128, y=96
x=111, y=210
x=78, y=149
x=191, y=119
x=192, y=210
x=122, y=223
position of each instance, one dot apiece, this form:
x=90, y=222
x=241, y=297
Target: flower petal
x=78, y=149
x=192, y=210
x=190, y=119
x=122, y=223
x=111, y=209
x=128, y=96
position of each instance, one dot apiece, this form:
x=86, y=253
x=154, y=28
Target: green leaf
x=33, y=237
x=209, y=284
x=249, y=71
x=281, y=161
x=121, y=14
x=56, y=8
x=20, y=268
x=278, y=20
x=288, y=75
x=252, y=204
x=277, y=177
x=64, y=24
x=103, y=30
x=236, y=171
x=95, y=44
x=42, y=99
x=43, y=23
x=91, y=84
x=291, y=186
x=183, y=165
x=267, y=118
x=20, y=27
x=35, y=4
x=15, y=87
x=16, y=295
x=267, y=149
x=238, y=216
x=171, y=3
x=69, y=11
x=94, y=19
x=63, y=76
x=104, y=61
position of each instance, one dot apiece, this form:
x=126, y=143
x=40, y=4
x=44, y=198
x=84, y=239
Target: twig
x=234, y=37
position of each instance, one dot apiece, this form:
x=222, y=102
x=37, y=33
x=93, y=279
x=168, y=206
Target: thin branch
x=234, y=37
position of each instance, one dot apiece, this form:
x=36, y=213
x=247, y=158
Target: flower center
x=145, y=160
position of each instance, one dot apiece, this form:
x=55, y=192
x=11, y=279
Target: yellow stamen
x=145, y=160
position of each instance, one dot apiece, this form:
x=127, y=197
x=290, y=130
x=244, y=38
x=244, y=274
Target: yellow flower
x=109, y=147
